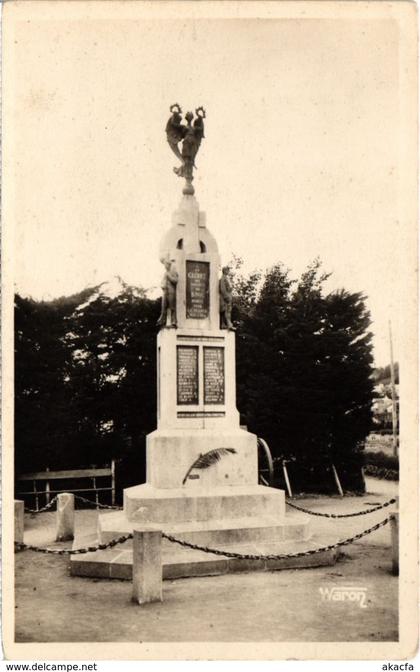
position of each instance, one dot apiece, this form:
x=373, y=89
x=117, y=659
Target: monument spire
x=191, y=135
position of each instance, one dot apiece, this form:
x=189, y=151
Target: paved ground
x=287, y=605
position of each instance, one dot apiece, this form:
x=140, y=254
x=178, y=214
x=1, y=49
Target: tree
x=383, y=374
x=43, y=419
x=112, y=372
x=85, y=380
x=304, y=367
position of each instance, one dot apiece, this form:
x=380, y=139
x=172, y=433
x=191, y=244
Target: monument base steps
x=247, y=519
x=178, y=562
x=223, y=531
x=256, y=534
x=147, y=504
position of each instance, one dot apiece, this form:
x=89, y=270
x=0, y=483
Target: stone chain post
x=147, y=565
x=394, y=522
x=19, y=524
x=65, y=517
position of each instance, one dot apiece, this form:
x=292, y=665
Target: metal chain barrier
x=248, y=556
x=69, y=551
x=289, y=503
x=341, y=515
x=47, y=507
x=97, y=504
x=205, y=549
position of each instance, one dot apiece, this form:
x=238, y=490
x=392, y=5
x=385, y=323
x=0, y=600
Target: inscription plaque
x=214, y=375
x=198, y=275
x=187, y=374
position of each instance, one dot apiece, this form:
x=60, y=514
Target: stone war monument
x=202, y=467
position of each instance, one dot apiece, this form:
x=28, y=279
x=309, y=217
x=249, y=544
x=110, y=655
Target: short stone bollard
x=19, y=520
x=147, y=565
x=394, y=542
x=65, y=517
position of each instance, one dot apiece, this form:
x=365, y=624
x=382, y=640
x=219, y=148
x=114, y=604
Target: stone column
x=147, y=565
x=65, y=517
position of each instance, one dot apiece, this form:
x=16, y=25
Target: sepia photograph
x=209, y=317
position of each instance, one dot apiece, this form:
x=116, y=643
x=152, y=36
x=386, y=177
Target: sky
x=300, y=157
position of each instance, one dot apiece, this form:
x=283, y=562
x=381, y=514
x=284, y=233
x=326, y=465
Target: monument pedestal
x=196, y=380
x=171, y=452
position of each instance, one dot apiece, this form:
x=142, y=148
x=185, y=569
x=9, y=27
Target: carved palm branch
x=206, y=460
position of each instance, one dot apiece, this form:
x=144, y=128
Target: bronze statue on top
x=191, y=135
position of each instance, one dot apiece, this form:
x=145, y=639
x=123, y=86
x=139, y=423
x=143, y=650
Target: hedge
x=381, y=465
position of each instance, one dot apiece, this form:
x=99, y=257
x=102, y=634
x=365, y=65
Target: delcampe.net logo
x=355, y=594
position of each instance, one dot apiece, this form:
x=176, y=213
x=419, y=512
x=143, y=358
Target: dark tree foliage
x=383, y=374
x=304, y=374
x=86, y=376
x=112, y=371
x=44, y=420
x=86, y=381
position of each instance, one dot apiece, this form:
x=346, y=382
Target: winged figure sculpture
x=190, y=135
